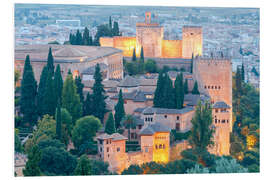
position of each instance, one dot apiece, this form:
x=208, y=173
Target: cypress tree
x=115, y=29
x=195, y=89
x=88, y=105
x=186, y=87
x=119, y=110
x=168, y=93
x=110, y=22
x=78, y=38
x=41, y=91
x=80, y=87
x=50, y=62
x=85, y=38
x=58, y=122
x=99, y=95
x=50, y=96
x=243, y=72
x=28, y=94
x=201, y=133
x=110, y=125
x=58, y=83
x=179, y=91
x=158, y=97
x=191, y=68
x=32, y=165
x=142, y=55
x=238, y=82
x=90, y=41
x=70, y=98
x=134, y=55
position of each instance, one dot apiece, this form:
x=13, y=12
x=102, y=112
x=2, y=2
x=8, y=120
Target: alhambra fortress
x=153, y=125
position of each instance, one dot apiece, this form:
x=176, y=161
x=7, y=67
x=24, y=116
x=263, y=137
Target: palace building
x=150, y=36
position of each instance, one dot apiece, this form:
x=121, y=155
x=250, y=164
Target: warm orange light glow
x=161, y=147
x=171, y=48
x=251, y=141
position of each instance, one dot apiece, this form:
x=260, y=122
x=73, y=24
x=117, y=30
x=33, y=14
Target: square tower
x=192, y=41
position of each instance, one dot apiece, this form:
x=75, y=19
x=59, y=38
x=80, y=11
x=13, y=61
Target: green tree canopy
x=58, y=122
x=134, y=55
x=57, y=161
x=49, y=101
x=88, y=106
x=150, y=66
x=80, y=87
x=179, y=91
x=41, y=91
x=158, y=97
x=32, y=165
x=142, y=55
x=28, y=94
x=201, y=132
x=50, y=62
x=110, y=125
x=186, y=86
x=224, y=165
x=58, y=83
x=115, y=30
x=129, y=123
x=84, y=166
x=70, y=98
x=85, y=129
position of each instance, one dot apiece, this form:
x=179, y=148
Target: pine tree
x=58, y=121
x=142, y=55
x=28, y=94
x=195, y=89
x=50, y=62
x=88, y=105
x=58, y=83
x=41, y=91
x=115, y=29
x=134, y=55
x=32, y=165
x=158, y=97
x=201, y=132
x=85, y=38
x=70, y=98
x=110, y=125
x=50, y=96
x=168, y=93
x=78, y=38
x=119, y=110
x=186, y=87
x=80, y=87
x=179, y=91
x=99, y=95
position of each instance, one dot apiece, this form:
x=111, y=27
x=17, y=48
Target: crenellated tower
x=214, y=77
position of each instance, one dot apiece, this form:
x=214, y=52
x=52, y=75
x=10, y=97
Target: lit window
x=223, y=121
x=165, y=116
x=118, y=149
x=216, y=121
x=227, y=121
x=156, y=146
x=151, y=119
x=177, y=117
x=216, y=110
x=108, y=149
x=160, y=146
x=205, y=87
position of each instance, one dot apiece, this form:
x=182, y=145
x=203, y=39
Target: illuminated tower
x=150, y=36
x=192, y=41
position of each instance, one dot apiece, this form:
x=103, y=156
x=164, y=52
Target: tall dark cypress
x=238, y=82
x=243, y=72
x=28, y=94
x=179, y=91
x=41, y=91
x=88, y=105
x=134, y=55
x=119, y=110
x=142, y=55
x=58, y=121
x=50, y=96
x=110, y=22
x=168, y=93
x=80, y=87
x=99, y=95
x=191, y=68
x=158, y=97
x=78, y=38
x=195, y=89
x=186, y=87
x=58, y=83
x=115, y=29
x=85, y=38
x=50, y=62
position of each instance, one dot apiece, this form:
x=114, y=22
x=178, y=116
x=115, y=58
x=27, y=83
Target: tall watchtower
x=149, y=35
x=192, y=41
x=214, y=77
